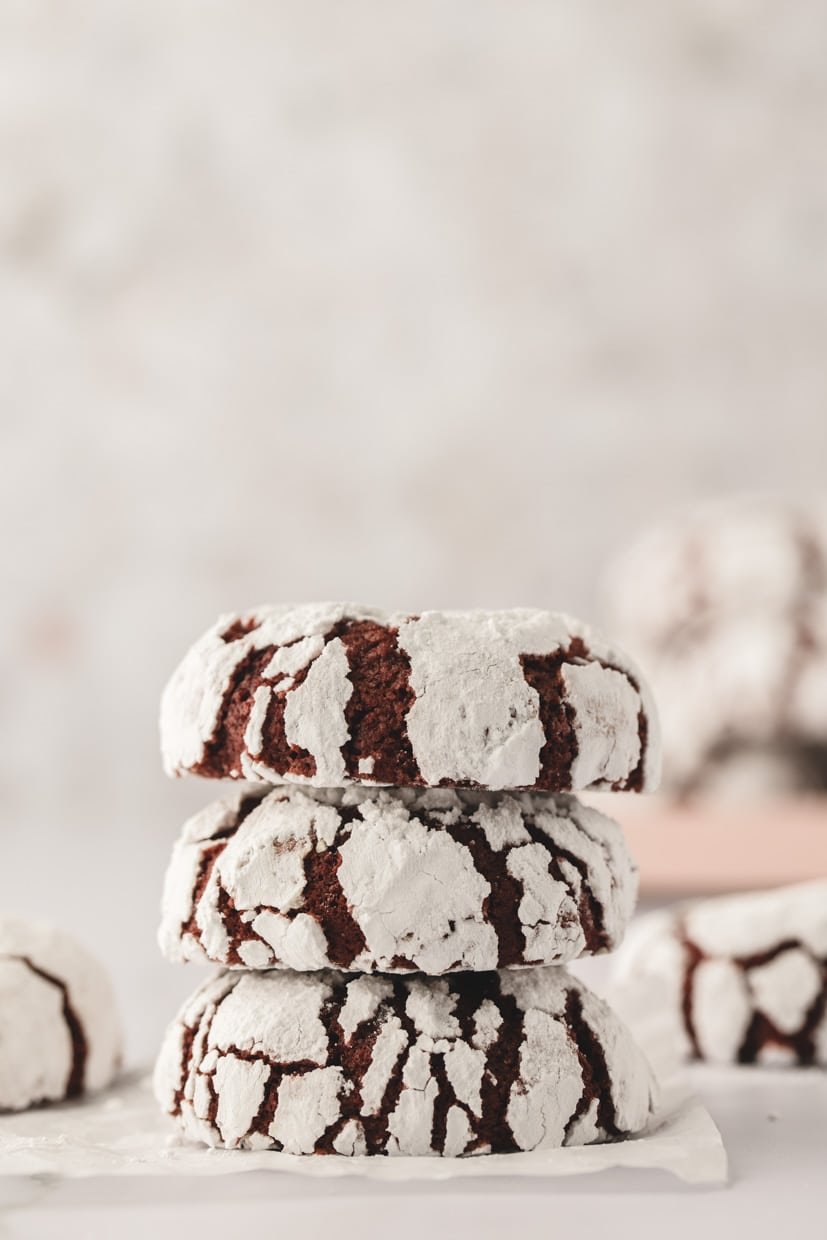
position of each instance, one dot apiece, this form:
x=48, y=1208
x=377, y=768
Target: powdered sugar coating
x=376, y=880
x=744, y=976
x=332, y=694
x=727, y=609
x=59, y=1030
x=266, y=1060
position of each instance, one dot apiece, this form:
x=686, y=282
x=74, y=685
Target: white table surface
x=774, y=1124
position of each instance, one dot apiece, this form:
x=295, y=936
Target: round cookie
x=746, y=709
x=334, y=1063
x=729, y=616
x=744, y=977
x=331, y=695
x=59, y=1030
x=747, y=555
x=395, y=880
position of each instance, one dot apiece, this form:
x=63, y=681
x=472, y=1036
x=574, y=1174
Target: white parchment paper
x=121, y=1132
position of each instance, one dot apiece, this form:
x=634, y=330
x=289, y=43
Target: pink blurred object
x=700, y=847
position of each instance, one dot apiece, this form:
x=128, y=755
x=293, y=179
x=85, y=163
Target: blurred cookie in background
x=60, y=1035
x=742, y=979
x=726, y=608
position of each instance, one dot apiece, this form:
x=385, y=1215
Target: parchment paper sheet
x=120, y=1132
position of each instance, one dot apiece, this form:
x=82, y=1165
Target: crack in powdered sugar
x=597, y=1084
x=223, y=752
x=76, y=1079
x=762, y=1032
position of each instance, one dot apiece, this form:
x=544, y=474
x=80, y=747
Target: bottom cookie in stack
x=335, y=1063
x=744, y=977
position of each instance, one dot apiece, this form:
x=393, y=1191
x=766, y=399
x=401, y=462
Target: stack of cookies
x=393, y=890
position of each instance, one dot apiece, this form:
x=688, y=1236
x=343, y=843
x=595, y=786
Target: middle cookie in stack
x=396, y=880
x=418, y=880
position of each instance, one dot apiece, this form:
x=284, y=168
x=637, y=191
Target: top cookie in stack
x=331, y=695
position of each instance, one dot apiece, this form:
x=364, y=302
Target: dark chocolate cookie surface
x=396, y=880
x=330, y=695
x=330, y=1063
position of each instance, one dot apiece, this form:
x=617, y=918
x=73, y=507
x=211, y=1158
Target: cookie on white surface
x=59, y=1029
x=332, y=1063
x=396, y=880
x=728, y=614
x=331, y=694
x=743, y=977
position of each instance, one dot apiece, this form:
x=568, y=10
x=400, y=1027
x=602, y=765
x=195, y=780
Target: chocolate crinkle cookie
x=331, y=695
x=728, y=614
x=335, y=1063
x=396, y=880
x=59, y=1029
x=744, y=977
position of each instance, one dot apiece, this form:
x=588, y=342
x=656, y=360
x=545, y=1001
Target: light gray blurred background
x=417, y=304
